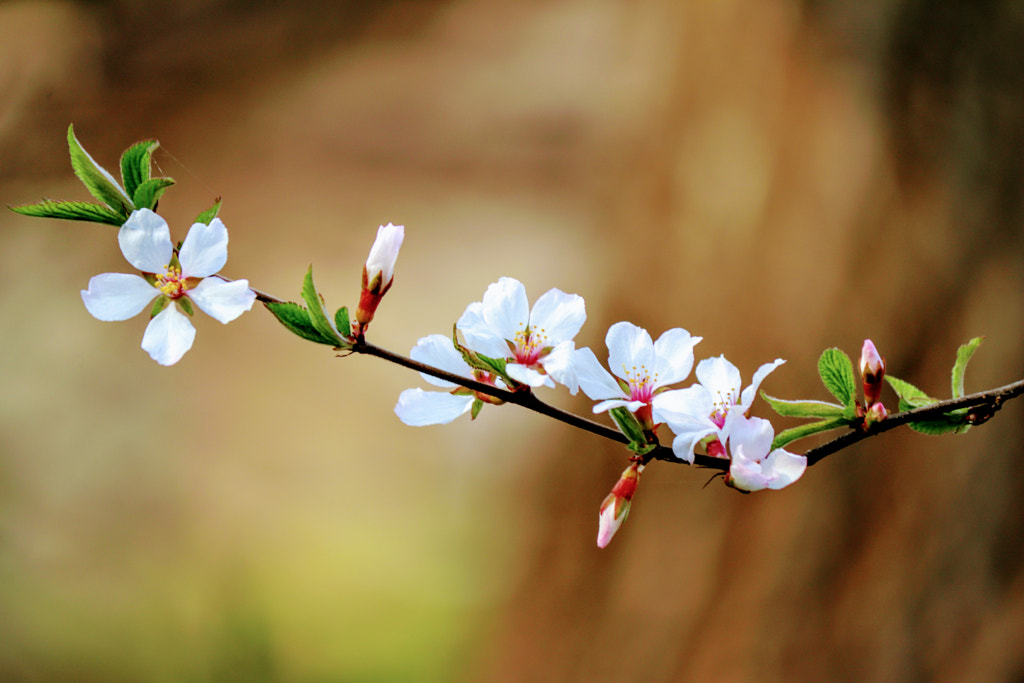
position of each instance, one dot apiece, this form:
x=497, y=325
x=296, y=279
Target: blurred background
x=776, y=176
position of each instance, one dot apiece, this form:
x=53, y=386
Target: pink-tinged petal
x=629, y=347
x=684, y=445
x=223, y=301
x=613, y=513
x=418, y=408
x=437, y=350
x=558, y=316
x=479, y=334
x=384, y=252
x=506, y=308
x=117, y=296
x=753, y=434
x=561, y=367
x=205, y=249
x=528, y=376
x=785, y=468
x=168, y=336
x=750, y=393
x=673, y=356
x=145, y=241
x=721, y=378
x=594, y=380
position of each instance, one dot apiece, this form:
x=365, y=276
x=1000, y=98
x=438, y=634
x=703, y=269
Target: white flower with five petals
x=644, y=367
x=700, y=411
x=145, y=241
x=537, y=344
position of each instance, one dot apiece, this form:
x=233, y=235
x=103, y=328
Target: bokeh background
x=774, y=175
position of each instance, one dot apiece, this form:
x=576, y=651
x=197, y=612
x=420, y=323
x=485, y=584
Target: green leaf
x=341, y=321
x=149, y=192
x=963, y=356
x=804, y=409
x=789, y=435
x=910, y=396
x=475, y=410
x=296, y=319
x=836, y=372
x=135, y=166
x=953, y=422
x=478, y=361
x=630, y=426
x=72, y=211
x=317, y=314
x=96, y=179
x=206, y=216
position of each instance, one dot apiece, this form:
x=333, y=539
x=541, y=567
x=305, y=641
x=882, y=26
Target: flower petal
x=438, y=350
x=721, y=378
x=168, y=336
x=560, y=366
x=145, y=241
x=753, y=434
x=629, y=347
x=559, y=316
x=596, y=382
x=506, y=308
x=693, y=404
x=528, y=376
x=418, y=408
x=673, y=356
x=750, y=393
x=479, y=334
x=117, y=296
x=205, y=249
x=631, y=406
x=223, y=301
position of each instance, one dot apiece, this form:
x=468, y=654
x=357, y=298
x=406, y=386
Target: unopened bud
x=872, y=370
x=876, y=412
x=378, y=272
x=615, y=507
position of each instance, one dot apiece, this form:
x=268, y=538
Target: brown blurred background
x=776, y=176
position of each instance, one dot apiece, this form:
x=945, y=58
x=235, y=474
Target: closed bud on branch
x=615, y=507
x=378, y=273
x=872, y=370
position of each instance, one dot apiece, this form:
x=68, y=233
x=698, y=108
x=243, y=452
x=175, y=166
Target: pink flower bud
x=615, y=507
x=872, y=370
x=378, y=273
x=875, y=413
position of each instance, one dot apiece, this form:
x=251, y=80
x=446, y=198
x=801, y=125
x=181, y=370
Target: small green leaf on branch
x=296, y=318
x=805, y=409
x=789, y=435
x=96, y=179
x=135, y=165
x=836, y=371
x=963, y=356
x=71, y=211
x=317, y=315
x=206, y=216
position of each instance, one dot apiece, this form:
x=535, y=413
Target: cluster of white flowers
x=538, y=349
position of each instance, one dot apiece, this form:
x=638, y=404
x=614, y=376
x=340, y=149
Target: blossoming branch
x=502, y=349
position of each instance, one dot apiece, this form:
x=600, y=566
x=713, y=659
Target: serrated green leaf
x=135, y=166
x=954, y=424
x=149, y=192
x=910, y=396
x=317, y=314
x=790, y=435
x=206, y=216
x=96, y=179
x=71, y=211
x=296, y=318
x=805, y=409
x=963, y=356
x=341, y=321
x=836, y=371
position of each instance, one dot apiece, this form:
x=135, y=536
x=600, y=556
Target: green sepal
x=149, y=192
x=631, y=428
x=186, y=305
x=135, y=166
x=805, y=409
x=341, y=321
x=296, y=318
x=475, y=410
x=836, y=371
x=206, y=216
x=158, y=305
x=911, y=397
x=789, y=435
x=97, y=180
x=963, y=356
x=317, y=314
x=71, y=211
